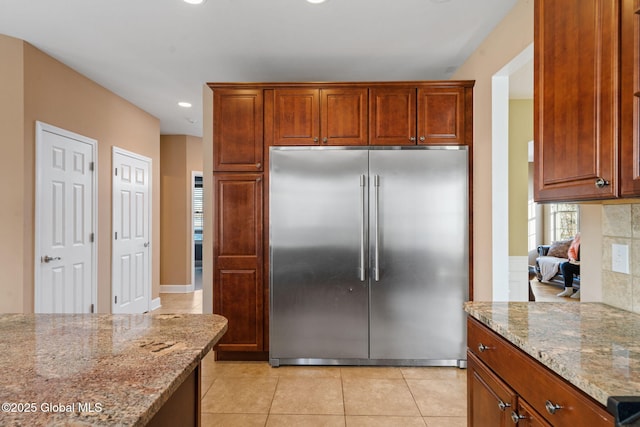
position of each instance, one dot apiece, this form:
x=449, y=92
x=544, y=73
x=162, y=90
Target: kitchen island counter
x=99, y=369
x=593, y=346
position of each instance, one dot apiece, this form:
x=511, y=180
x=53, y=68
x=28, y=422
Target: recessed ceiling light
x=194, y=1
x=316, y=1
x=184, y=104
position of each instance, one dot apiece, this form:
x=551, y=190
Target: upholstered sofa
x=547, y=267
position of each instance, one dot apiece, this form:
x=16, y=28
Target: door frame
x=41, y=128
x=121, y=151
x=503, y=289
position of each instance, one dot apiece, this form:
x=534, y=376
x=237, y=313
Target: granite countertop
x=97, y=369
x=593, y=346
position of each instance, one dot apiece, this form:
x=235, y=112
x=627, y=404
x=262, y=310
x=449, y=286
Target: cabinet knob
x=325, y=140
x=315, y=139
x=601, y=182
x=422, y=138
x=412, y=139
x=258, y=165
x=551, y=407
x=482, y=348
x=515, y=417
x=503, y=405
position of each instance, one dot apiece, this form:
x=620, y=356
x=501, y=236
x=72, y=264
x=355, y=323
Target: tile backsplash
x=621, y=225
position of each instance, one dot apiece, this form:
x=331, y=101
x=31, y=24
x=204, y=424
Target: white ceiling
x=155, y=53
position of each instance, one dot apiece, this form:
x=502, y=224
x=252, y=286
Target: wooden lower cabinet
x=238, y=283
x=501, y=376
x=490, y=400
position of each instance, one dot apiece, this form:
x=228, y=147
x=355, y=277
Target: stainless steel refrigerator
x=369, y=255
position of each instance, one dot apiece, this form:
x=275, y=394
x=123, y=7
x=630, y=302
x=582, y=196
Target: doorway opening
x=510, y=273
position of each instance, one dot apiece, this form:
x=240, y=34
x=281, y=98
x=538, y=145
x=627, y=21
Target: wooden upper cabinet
x=410, y=116
x=296, y=117
x=630, y=100
x=392, y=116
x=344, y=116
x=237, y=130
x=441, y=116
x=320, y=116
x=576, y=81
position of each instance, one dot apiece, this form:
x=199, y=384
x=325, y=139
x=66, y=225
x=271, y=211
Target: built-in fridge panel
x=368, y=255
x=318, y=215
x=419, y=256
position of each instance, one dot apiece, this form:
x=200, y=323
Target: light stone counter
x=97, y=369
x=593, y=346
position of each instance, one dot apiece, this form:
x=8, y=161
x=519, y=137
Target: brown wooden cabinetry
x=237, y=131
x=407, y=116
x=630, y=100
x=238, y=260
x=498, y=371
x=577, y=99
x=490, y=400
x=331, y=116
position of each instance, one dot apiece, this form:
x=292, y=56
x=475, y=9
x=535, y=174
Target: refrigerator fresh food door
x=318, y=225
x=419, y=254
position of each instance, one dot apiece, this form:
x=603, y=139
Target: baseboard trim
x=155, y=304
x=177, y=289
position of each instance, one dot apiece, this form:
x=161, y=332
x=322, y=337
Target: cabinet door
x=238, y=276
x=490, y=400
x=576, y=103
x=296, y=117
x=392, y=116
x=630, y=100
x=237, y=130
x=344, y=116
x=441, y=116
x=525, y=416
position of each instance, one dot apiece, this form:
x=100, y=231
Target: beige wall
x=12, y=222
x=57, y=95
x=181, y=155
x=520, y=133
x=507, y=40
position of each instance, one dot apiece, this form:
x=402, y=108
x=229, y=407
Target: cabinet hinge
x=116, y=171
x=91, y=308
x=91, y=166
x=116, y=235
x=116, y=300
x=92, y=237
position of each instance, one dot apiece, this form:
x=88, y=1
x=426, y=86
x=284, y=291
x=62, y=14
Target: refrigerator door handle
x=376, y=236
x=363, y=185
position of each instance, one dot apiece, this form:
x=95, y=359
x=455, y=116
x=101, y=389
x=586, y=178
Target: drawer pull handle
x=515, y=417
x=552, y=408
x=482, y=348
x=502, y=405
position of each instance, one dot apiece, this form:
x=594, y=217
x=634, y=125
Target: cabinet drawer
x=535, y=383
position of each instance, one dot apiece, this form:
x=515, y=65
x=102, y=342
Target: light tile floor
x=247, y=394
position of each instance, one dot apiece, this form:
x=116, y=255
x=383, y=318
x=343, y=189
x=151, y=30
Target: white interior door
x=131, y=275
x=66, y=206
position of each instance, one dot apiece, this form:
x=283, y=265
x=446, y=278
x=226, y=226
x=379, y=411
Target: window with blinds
x=197, y=209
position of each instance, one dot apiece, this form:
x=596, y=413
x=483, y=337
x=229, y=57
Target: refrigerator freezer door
x=419, y=240
x=319, y=292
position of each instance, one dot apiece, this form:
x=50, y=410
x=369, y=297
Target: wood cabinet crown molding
x=275, y=85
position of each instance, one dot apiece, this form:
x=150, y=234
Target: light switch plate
x=620, y=258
